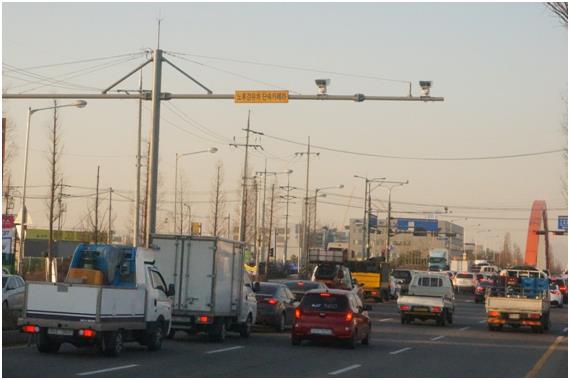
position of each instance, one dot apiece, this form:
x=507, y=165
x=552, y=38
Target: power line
x=81, y=61
x=518, y=155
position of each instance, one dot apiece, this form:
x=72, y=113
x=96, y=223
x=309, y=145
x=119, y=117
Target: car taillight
x=272, y=301
x=325, y=294
x=479, y=289
x=436, y=309
x=297, y=313
x=534, y=316
x=404, y=307
x=494, y=314
x=563, y=288
x=374, y=293
x=32, y=329
x=349, y=316
x=87, y=333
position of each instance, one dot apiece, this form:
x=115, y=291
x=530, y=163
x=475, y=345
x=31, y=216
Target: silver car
x=13, y=289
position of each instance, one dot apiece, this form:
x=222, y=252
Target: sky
x=502, y=69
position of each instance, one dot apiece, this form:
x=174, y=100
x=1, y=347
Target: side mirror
x=171, y=290
x=256, y=286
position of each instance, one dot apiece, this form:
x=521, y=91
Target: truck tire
x=112, y=343
x=449, y=316
x=546, y=322
x=403, y=319
x=171, y=333
x=245, y=328
x=45, y=345
x=280, y=327
x=441, y=320
x=154, y=338
x=217, y=331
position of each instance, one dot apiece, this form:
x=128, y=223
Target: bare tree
x=506, y=255
x=217, y=202
x=517, y=255
x=54, y=153
x=9, y=152
x=560, y=10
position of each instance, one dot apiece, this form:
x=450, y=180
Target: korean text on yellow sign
x=261, y=96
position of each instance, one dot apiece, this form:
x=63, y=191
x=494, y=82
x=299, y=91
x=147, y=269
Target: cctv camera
x=426, y=86
x=322, y=85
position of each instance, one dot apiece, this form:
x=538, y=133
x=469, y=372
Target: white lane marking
x=14, y=347
x=483, y=321
x=350, y=367
x=107, y=370
x=385, y=319
x=400, y=351
x=224, y=349
x=437, y=338
x=464, y=328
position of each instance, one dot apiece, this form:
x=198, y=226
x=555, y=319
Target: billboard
x=417, y=225
x=563, y=222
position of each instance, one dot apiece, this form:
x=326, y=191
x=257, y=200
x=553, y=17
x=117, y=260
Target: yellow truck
x=373, y=275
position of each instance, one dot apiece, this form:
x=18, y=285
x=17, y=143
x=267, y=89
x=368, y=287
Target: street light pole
x=389, y=220
x=23, y=226
x=316, y=198
x=365, y=222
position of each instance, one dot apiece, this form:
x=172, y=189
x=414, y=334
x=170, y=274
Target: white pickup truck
x=112, y=294
x=430, y=296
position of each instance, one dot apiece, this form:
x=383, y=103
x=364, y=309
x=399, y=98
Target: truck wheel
x=245, y=328
x=112, y=343
x=280, y=327
x=449, y=317
x=154, y=338
x=403, y=319
x=546, y=323
x=45, y=344
x=217, y=331
x=441, y=320
x=171, y=333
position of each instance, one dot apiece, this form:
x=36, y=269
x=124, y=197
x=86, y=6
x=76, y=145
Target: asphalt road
x=465, y=349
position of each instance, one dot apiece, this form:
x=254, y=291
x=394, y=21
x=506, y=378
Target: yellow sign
x=261, y=96
x=196, y=228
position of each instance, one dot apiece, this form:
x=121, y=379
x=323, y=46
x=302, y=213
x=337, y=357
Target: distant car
x=556, y=297
x=337, y=276
x=481, y=289
x=563, y=286
x=13, y=289
x=465, y=281
x=299, y=288
x=334, y=314
x=275, y=305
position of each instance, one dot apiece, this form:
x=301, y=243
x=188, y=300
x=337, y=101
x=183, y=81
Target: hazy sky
x=502, y=69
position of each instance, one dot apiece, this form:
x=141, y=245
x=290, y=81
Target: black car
x=275, y=305
x=299, y=287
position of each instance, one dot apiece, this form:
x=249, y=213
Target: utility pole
x=217, y=201
x=243, y=211
x=287, y=198
x=366, y=217
x=263, y=229
x=97, y=208
x=306, y=206
x=145, y=204
x=136, y=227
x=389, y=220
x=110, y=229
x=60, y=209
x=229, y=225
x=255, y=231
x=269, y=237
x=368, y=227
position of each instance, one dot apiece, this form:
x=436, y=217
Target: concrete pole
x=175, y=191
x=154, y=144
x=243, y=216
x=306, y=224
x=110, y=230
x=286, y=221
x=364, y=226
x=24, y=211
x=137, y=227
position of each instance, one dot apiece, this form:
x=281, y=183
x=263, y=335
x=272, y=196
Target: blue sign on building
x=563, y=222
x=373, y=221
x=417, y=225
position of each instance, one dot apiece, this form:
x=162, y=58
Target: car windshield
x=302, y=286
x=436, y=260
x=464, y=275
x=326, y=272
x=331, y=302
x=269, y=289
x=560, y=282
x=4, y=281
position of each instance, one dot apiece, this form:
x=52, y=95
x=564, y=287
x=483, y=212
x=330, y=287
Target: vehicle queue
x=331, y=306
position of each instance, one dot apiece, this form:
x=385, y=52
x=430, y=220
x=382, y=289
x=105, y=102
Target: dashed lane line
x=107, y=370
x=400, y=351
x=437, y=338
x=385, y=319
x=483, y=321
x=464, y=328
x=224, y=350
x=346, y=369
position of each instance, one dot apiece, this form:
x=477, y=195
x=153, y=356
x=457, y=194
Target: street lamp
x=78, y=104
x=367, y=211
x=322, y=195
x=178, y=156
x=388, y=224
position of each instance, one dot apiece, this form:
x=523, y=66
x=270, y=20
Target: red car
x=332, y=314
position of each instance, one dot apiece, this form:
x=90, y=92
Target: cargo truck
x=215, y=293
x=438, y=259
x=525, y=302
x=111, y=295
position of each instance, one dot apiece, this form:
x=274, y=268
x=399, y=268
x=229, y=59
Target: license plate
x=421, y=309
x=321, y=331
x=64, y=332
x=514, y=316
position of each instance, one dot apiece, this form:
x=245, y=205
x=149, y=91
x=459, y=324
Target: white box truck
x=112, y=294
x=214, y=291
